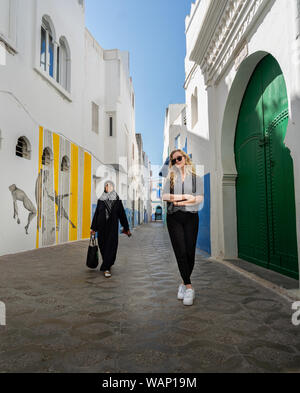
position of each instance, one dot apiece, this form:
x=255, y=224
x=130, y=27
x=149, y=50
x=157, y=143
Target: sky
x=154, y=34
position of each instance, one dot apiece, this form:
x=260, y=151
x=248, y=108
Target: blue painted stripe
x=204, y=240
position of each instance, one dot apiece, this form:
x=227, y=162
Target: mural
x=40, y=188
x=61, y=213
x=49, y=198
x=19, y=195
x=63, y=191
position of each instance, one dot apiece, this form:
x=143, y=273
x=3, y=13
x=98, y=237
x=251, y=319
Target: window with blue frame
x=55, y=58
x=47, y=48
x=51, y=56
x=58, y=62
x=43, y=48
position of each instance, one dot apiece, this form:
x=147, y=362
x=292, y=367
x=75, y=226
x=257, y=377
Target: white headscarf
x=109, y=199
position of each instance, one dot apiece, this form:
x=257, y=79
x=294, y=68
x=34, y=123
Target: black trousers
x=183, y=230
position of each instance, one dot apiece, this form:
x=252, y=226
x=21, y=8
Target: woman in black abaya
x=109, y=211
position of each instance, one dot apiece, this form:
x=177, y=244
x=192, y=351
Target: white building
x=242, y=100
x=144, y=199
x=67, y=124
x=156, y=199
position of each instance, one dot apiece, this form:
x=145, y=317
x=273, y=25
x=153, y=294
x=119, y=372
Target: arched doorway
x=265, y=196
x=158, y=213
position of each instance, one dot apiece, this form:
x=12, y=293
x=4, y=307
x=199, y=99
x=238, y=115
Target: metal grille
x=22, y=149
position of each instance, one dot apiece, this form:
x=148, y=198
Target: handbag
x=92, y=259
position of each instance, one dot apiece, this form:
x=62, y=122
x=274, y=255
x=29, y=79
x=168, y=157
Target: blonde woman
x=184, y=192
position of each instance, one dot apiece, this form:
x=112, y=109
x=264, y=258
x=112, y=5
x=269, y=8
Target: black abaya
x=108, y=231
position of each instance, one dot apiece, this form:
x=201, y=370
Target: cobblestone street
x=61, y=317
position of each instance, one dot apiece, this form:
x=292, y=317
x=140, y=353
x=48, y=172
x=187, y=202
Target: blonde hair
x=188, y=164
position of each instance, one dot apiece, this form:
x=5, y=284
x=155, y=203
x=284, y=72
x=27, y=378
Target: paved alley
x=61, y=317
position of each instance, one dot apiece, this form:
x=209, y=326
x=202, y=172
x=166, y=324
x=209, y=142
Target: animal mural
x=20, y=195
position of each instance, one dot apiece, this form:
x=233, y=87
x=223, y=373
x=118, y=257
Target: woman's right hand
x=93, y=233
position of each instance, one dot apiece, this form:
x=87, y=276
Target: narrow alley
x=62, y=317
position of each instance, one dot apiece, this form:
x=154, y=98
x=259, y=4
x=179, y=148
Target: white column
x=229, y=216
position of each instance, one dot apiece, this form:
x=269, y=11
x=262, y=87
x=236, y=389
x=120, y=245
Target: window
x=51, y=56
x=95, y=118
x=55, y=58
x=43, y=48
x=63, y=64
x=4, y=17
x=65, y=164
x=46, y=157
x=8, y=23
x=132, y=100
x=110, y=126
x=57, y=64
x=47, y=48
x=133, y=152
x=111, y=120
x=194, y=108
x=23, y=148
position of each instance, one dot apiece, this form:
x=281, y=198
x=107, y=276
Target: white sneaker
x=181, y=292
x=189, y=297
x=107, y=274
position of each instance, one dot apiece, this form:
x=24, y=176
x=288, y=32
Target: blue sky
x=154, y=34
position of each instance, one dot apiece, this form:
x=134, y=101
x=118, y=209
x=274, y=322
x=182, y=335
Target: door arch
x=158, y=213
x=265, y=196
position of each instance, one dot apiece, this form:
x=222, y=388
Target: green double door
x=266, y=217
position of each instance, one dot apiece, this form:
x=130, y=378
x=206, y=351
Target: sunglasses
x=179, y=159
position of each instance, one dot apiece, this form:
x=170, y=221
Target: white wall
x=274, y=32
x=29, y=98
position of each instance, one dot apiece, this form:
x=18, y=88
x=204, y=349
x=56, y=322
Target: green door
x=266, y=216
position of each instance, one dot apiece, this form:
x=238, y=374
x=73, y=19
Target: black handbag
x=92, y=260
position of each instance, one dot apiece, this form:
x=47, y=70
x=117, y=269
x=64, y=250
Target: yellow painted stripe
x=39, y=217
x=56, y=174
x=73, y=214
x=86, y=205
